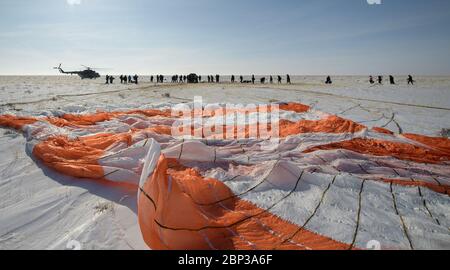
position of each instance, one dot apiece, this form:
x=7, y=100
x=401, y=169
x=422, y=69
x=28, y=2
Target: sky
x=303, y=37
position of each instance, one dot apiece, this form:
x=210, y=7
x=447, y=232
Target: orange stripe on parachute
x=78, y=158
x=442, y=144
x=179, y=209
x=383, y=130
x=332, y=124
x=16, y=122
x=401, y=151
x=75, y=120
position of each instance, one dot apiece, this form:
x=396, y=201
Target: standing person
x=371, y=81
x=380, y=79
x=271, y=79
x=391, y=79
x=151, y=79
x=253, y=79
x=263, y=80
x=129, y=78
x=411, y=80
x=111, y=79
x=121, y=78
x=107, y=79
x=232, y=78
x=209, y=79
x=279, y=79
x=217, y=78
x=135, y=78
x=162, y=78
x=241, y=78
x=288, y=79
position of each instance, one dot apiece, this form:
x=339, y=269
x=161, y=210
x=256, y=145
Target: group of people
x=216, y=79
x=211, y=79
x=123, y=79
x=159, y=78
x=263, y=79
x=409, y=80
x=176, y=79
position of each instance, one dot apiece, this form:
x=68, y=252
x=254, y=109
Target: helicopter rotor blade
x=95, y=68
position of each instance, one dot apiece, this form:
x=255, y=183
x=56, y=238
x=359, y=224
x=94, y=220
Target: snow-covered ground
x=41, y=209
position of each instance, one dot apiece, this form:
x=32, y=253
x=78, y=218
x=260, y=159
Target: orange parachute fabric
x=401, y=151
x=179, y=209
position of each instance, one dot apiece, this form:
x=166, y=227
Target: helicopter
x=88, y=73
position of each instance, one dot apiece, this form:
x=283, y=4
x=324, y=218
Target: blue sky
x=310, y=37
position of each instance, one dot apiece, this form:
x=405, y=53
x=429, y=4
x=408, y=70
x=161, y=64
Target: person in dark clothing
x=151, y=79
x=411, y=80
x=200, y=78
x=232, y=78
x=107, y=79
x=184, y=78
x=209, y=79
x=263, y=80
x=241, y=79
x=380, y=79
x=162, y=79
x=111, y=79
x=391, y=79
x=129, y=78
x=217, y=78
x=371, y=81
x=271, y=79
x=288, y=79
x=328, y=81
x=279, y=79
x=136, y=79
x=253, y=79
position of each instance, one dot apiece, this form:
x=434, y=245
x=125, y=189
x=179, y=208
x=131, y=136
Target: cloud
x=74, y=2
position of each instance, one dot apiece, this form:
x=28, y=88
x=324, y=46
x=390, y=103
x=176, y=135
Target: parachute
x=323, y=183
